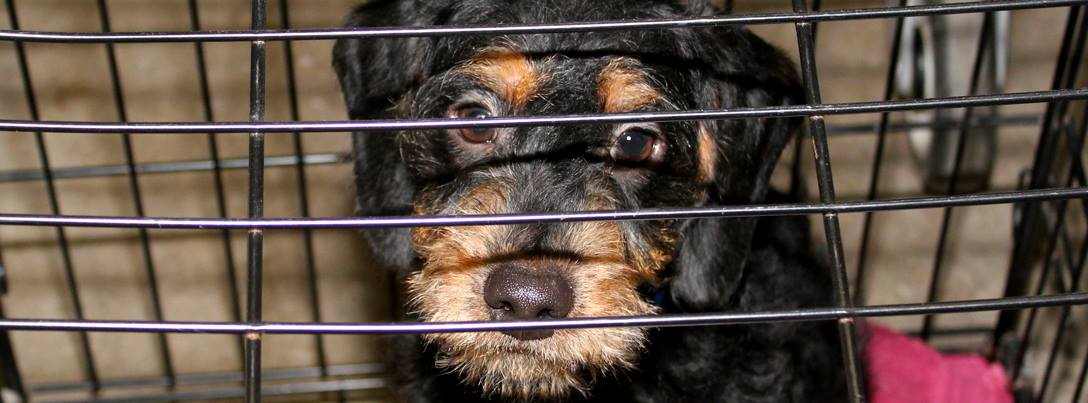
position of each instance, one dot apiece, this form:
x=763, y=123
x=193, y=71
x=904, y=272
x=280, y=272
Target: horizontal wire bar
x=1000, y=121
x=815, y=314
x=391, y=32
x=559, y=120
x=198, y=379
x=365, y=369
x=168, y=167
x=294, y=388
x=506, y=219
x=96, y=171
x=672, y=320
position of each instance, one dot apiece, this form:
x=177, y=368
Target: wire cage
x=153, y=273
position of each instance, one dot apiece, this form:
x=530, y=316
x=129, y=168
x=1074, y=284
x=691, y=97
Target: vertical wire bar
x=1082, y=379
x=1023, y=246
x=847, y=337
x=256, y=205
x=1052, y=239
x=878, y=158
x=1075, y=149
x=3, y=274
x=984, y=39
x=217, y=173
x=9, y=369
x=797, y=183
x=1017, y=364
x=217, y=170
x=1044, y=277
x=304, y=202
x=1068, y=257
x=1062, y=325
x=91, y=372
x=137, y=198
x=1059, y=333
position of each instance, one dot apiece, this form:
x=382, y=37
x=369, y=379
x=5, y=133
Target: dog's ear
x=376, y=73
x=738, y=157
x=746, y=72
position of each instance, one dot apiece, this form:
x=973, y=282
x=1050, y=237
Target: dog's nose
x=516, y=292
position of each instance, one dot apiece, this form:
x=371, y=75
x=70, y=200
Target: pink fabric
x=903, y=369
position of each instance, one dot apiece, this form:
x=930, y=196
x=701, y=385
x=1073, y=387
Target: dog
x=585, y=269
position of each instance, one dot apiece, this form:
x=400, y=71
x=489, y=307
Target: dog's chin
x=551, y=368
x=545, y=369
x=537, y=370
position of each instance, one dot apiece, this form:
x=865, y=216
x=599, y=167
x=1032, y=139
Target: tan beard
x=547, y=369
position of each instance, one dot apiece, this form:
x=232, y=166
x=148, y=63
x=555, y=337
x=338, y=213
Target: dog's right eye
x=637, y=145
x=475, y=134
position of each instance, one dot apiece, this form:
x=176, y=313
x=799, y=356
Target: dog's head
x=586, y=269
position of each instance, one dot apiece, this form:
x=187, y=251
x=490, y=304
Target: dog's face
x=566, y=270
x=587, y=269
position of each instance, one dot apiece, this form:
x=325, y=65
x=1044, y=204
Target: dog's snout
x=518, y=292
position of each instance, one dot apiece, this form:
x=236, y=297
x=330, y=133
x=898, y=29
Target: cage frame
x=1036, y=216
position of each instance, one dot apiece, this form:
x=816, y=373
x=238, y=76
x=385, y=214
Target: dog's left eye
x=475, y=134
x=636, y=145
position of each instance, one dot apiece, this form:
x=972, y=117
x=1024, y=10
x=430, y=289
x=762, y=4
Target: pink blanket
x=903, y=369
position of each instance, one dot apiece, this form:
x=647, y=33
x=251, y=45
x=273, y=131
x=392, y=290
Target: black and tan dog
x=590, y=269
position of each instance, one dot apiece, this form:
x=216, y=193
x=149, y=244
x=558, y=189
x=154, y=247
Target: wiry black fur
x=720, y=265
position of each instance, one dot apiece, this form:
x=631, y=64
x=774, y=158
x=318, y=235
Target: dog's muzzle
x=519, y=291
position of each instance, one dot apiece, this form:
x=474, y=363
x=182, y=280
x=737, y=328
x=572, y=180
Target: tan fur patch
x=508, y=73
x=550, y=368
x=604, y=240
x=457, y=263
x=623, y=88
x=708, y=155
x=452, y=247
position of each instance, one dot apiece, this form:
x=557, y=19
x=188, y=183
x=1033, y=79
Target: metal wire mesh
x=1043, y=203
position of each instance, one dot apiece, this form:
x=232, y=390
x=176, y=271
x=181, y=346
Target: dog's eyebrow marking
x=623, y=88
x=506, y=72
x=708, y=155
